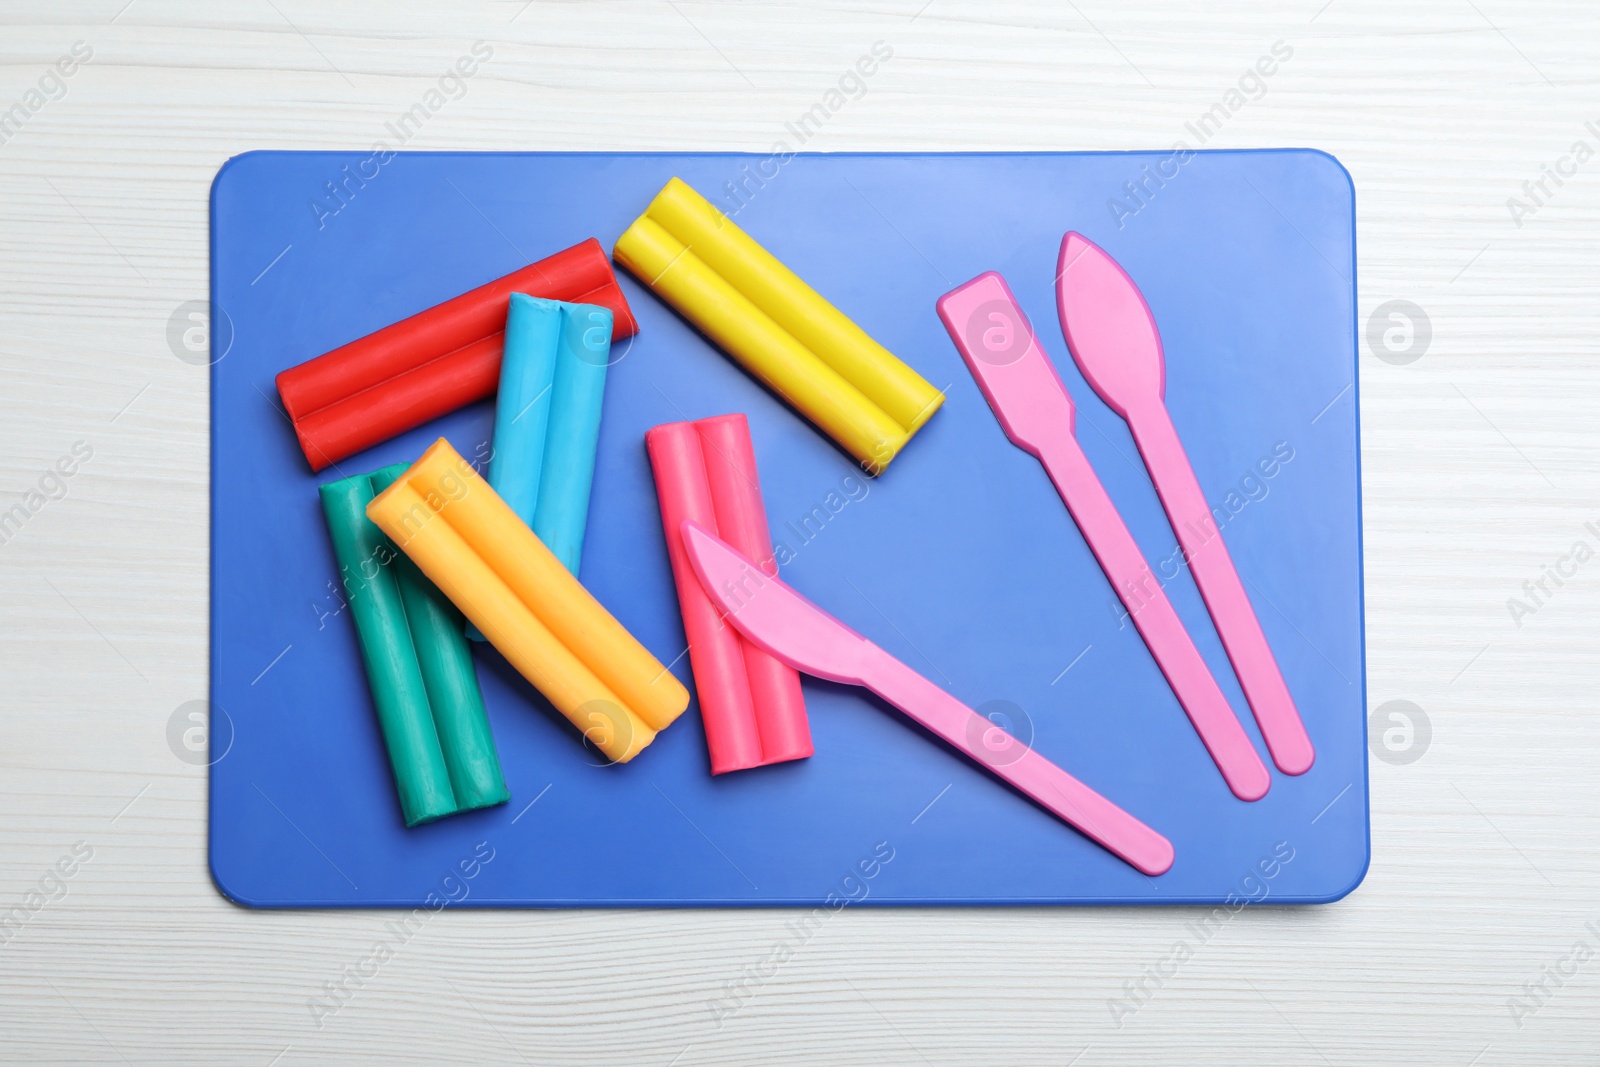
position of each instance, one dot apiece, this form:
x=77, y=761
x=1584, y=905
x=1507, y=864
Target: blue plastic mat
x=961, y=559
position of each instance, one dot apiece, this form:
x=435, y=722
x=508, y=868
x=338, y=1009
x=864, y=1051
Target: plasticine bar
x=447, y=673
x=751, y=703
x=547, y=417
x=569, y=450
x=474, y=548
x=775, y=325
x=429, y=707
x=432, y=363
x=522, y=403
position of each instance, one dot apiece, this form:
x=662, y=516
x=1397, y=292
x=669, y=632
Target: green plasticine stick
x=437, y=633
x=409, y=667
x=393, y=674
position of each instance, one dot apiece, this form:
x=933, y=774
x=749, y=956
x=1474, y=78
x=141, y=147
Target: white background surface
x=1479, y=462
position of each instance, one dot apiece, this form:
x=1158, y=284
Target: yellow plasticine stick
x=734, y=324
x=682, y=247
x=902, y=393
x=491, y=566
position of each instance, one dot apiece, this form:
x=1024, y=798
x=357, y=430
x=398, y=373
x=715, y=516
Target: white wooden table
x=1480, y=474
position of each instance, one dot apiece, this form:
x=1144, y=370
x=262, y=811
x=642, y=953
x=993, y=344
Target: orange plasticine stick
x=547, y=625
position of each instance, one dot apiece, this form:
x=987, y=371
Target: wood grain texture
x=1480, y=472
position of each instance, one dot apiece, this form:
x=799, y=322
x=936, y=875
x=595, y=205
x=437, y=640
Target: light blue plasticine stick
x=522, y=406
x=547, y=419
x=574, y=431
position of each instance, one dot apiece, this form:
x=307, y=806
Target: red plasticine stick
x=751, y=704
x=434, y=362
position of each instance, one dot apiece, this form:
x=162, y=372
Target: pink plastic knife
x=1036, y=412
x=788, y=626
x=1113, y=339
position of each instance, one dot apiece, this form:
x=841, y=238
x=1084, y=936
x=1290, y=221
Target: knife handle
x=1219, y=584
x=1153, y=615
x=1008, y=758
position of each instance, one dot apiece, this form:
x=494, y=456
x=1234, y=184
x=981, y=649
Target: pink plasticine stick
x=1036, y=412
x=780, y=709
x=790, y=627
x=1113, y=338
x=751, y=704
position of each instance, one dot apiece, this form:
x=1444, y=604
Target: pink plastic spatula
x=788, y=626
x=1113, y=339
x=1036, y=412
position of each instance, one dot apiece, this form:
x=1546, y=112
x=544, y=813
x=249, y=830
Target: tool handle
x=1152, y=613
x=1218, y=579
x=1016, y=763
x=1020, y=382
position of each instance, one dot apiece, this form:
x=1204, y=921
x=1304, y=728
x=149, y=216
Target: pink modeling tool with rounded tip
x=1114, y=341
x=796, y=631
x=1036, y=412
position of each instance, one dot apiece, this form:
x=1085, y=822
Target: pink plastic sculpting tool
x=1036, y=412
x=1114, y=341
x=785, y=624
